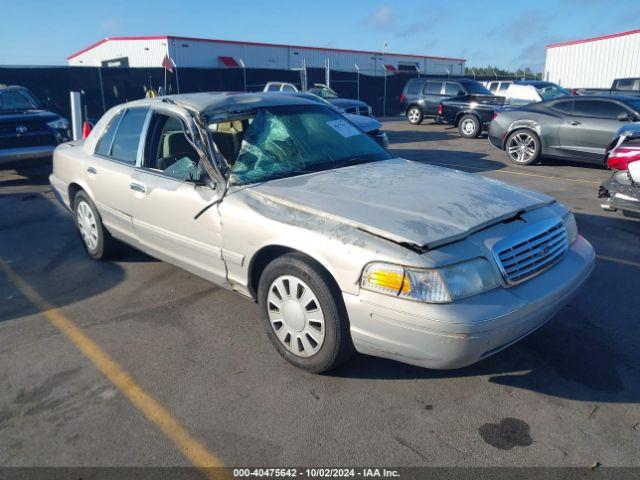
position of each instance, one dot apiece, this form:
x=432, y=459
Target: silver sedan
x=345, y=247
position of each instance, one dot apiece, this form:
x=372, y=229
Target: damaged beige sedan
x=344, y=247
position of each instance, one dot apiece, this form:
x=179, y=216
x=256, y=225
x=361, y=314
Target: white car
x=344, y=247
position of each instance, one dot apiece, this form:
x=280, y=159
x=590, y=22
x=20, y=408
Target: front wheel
x=469, y=126
x=523, y=147
x=414, y=115
x=303, y=314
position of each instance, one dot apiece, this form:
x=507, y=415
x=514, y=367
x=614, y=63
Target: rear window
x=626, y=84
x=476, y=88
x=413, y=87
x=598, y=108
x=103, y=146
x=565, y=107
x=433, y=88
x=127, y=138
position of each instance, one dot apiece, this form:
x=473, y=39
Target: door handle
x=574, y=122
x=92, y=170
x=137, y=187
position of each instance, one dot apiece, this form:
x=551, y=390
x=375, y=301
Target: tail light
x=439, y=109
x=402, y=97
x=495, y=115
x=621, y=157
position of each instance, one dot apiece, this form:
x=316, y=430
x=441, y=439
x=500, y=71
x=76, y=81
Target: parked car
x=421, y=96
x=280, y=87
x=369, y=125
x=621, y=191
x=498, y=87
x=346, y=105
x=27, y=129
x=568, y=128
x=471, y=114
x=274, y=197
x=524, y=92
x=625, y=86
x=355, y=107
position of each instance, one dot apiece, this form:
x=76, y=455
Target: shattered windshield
x=289, y=140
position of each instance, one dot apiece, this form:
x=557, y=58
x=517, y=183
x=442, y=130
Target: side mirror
x=625, y=117
x=461, y=92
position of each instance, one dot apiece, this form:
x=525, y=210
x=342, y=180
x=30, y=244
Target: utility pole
x=384, y=90
x=244, y=74
x=357, y=79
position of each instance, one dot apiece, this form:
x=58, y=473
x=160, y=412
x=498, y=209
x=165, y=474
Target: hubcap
x=468, y=126
x=414, y=115
x=522, y=147
x=87, y=225
x=296, y=316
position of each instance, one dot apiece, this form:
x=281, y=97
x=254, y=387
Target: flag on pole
x=168, y=63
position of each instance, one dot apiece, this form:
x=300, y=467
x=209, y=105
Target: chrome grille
x=531, y=251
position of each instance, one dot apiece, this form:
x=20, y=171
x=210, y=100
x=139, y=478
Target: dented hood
x=404, y=201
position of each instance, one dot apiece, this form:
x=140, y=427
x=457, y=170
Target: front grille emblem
x=21, y=129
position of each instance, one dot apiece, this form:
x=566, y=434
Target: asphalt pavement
x=138, y=363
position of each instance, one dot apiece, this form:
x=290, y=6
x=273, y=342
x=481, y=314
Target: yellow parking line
x=194, y=450
x=621, y=261
x=517, y=173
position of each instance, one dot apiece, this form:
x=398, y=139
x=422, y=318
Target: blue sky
x=509, y=34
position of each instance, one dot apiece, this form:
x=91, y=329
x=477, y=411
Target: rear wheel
x=303, y=314
x=469, y=126
x=523, y=147
x=97, y=241
x=414, y=115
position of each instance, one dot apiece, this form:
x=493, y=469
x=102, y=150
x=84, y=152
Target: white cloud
x=382, y=18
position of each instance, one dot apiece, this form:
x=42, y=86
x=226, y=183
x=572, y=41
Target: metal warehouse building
x=594, y=62
x=208, y=53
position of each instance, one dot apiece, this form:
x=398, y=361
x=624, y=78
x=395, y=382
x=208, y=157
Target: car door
x=432, y=95
x=172, y=198
x=108, y=171
x=586, y=132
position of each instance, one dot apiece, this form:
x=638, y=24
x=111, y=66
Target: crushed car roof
x=201, y=102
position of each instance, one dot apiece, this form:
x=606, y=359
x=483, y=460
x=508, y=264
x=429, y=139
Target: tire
x=415, y=115
x=469, y=126
x=97, y=241
x=302, y=307
x=514, y=147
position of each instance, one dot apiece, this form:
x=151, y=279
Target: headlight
x=370, y=110
x=341, y=110
x=60, y=124
x=571, y=226
x=439, y=285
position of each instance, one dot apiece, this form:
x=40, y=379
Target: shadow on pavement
x=39, y=241
x=478, y=161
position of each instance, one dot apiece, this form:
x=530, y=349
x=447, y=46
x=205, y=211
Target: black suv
x=421, y=96
x=27, y=130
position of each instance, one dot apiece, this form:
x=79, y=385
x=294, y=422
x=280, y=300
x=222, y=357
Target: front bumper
x=26, y=153
x=457, y=334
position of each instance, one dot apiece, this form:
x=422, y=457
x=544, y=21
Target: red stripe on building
x=229, y=62
x=237, y=42
x=593, y=39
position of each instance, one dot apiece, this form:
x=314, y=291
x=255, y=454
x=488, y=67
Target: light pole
x=357, y=80
x=384, y=91
x=244, y=73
